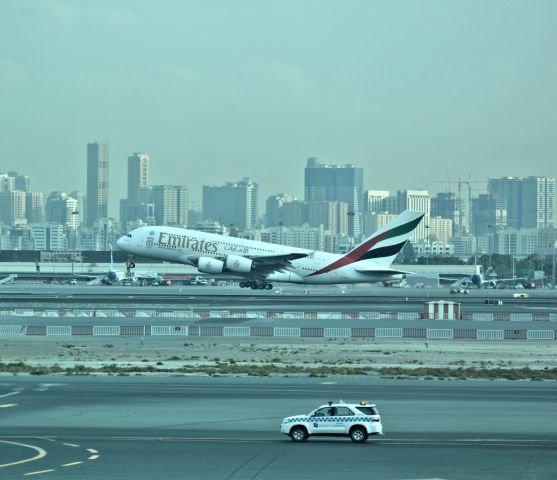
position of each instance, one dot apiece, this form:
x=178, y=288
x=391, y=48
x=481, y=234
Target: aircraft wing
x=384, y=271
x=507, y=280
x=265, y=265
x=93, y=279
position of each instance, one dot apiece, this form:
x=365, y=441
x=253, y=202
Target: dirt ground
x=187, y=351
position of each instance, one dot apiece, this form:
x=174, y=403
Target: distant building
x=444, y=205
x=60, y=208
x=274, y=209
x=97, y=182
x=440, y=229
x=375, y=221
x=305, y=236
x=49, y=236
x=374, y=201
x=484, y=214
x=232, y=204
x=427, y=249
x=294, y=213
x=538, y=202
x=138, y=176
x=170, y=205
x=340, y=183
x=13, y=207
x=333, y=216
x=515, y=242
x=35, y=207
x=7, y=183
x=420, y=201
x=529, y=202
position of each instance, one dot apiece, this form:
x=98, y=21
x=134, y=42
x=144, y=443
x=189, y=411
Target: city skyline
x=406, y=91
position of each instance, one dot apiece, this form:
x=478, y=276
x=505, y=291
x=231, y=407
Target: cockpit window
x=129, y=235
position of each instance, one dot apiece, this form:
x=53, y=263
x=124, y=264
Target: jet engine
x=210, y=265
x=238, y=264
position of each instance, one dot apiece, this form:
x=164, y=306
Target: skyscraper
x=538, y=202
x=12, y=207
x=529, y=202
x=508, y=192
x=34, y=207
x=97, y=182
x=235, y=203
x=138, y=176
x=337, y=183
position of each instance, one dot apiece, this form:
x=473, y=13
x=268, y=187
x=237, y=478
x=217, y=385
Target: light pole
x=428, y=245
x=490, y=240
x=74, y=237
x=553, y=265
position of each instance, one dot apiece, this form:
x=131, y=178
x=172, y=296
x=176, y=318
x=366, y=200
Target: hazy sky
x=217, y=90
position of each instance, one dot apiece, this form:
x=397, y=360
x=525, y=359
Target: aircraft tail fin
x=383, y=246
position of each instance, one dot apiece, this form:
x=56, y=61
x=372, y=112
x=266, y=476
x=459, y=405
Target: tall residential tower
x=97, y=182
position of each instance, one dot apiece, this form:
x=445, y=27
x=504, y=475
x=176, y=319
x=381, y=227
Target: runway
x=292, y=297
x=228, y=428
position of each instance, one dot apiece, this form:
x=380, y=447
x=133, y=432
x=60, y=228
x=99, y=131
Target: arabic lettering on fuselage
x=170, y=240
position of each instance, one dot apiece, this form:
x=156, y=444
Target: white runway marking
x=9, y=394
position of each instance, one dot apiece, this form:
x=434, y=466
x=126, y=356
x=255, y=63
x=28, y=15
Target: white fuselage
x=180, y=245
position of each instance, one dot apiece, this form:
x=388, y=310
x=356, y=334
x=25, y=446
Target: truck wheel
x=358, y=434
x=298, y=434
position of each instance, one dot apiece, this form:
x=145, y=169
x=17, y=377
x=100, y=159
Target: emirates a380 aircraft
x=261, y=263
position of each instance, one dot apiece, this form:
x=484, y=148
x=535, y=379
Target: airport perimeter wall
x=282, y=331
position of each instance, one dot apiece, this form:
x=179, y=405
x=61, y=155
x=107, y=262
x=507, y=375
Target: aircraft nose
x=121, y=242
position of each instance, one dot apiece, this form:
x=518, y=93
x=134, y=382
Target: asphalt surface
x=323, y=298
x=228, y=428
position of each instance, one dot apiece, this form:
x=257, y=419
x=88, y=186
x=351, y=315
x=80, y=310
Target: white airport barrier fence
x=286, y=332
x=172, y=330
x=271, y=331
x=337, y=332
x=490, y=334
x=388, y=332
x=540, y=334
x=11, y=329
x=236, y=331
x=521, y=317
x=104, y=330
x=440, y=333
x=482, y=317
x=59, y=330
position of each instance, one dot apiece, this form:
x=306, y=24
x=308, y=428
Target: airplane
x=118, y=277
x=112, y=277
x=479, y=280
x=260, y=263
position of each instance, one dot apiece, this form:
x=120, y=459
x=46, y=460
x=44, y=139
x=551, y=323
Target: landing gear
x=255, y=285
